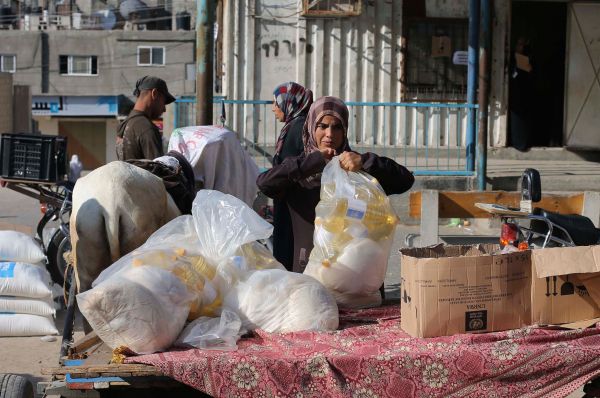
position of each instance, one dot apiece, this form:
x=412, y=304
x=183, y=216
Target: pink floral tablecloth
x=372, y=357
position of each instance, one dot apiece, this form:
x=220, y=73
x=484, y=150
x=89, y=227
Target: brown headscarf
x=324, y=106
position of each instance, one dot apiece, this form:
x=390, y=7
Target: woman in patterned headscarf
x=290, y=106
x=297, y=180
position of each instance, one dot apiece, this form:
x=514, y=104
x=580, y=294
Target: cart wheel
x=15, y=386
x=58, y=246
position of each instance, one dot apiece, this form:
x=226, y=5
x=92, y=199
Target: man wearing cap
x=138, y=137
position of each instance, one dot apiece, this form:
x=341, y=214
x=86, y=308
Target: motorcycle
x=533, y=227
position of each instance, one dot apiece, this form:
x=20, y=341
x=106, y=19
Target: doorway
x=536, y=97
x=87, y=139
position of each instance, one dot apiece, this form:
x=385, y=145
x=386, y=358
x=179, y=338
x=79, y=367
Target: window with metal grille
x=331, y=8
x=78, y=65
x=150, y=56
x=434, y=69
x=8, y=63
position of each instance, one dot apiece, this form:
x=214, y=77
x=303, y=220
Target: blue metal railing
x=429, y=138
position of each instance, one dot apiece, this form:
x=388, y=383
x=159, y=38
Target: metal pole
x=205, y=20
x=45, y=61
x=484, y=88
x=472, y=81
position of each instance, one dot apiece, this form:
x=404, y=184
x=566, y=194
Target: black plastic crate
x=33, y=157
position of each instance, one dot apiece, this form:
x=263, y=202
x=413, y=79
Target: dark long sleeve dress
x=283, y=236
x=288, y=181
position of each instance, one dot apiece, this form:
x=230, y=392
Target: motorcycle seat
x=580, y=228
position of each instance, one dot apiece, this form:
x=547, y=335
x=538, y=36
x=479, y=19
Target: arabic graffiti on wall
x=286, y=47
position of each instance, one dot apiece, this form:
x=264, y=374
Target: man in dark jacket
x=138, y=137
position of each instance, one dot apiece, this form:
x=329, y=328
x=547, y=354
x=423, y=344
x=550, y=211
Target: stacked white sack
x=26, y=306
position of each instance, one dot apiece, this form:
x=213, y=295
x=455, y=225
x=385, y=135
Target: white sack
x=218, y=159
x=24, y=280
x=360, y=269
x=19, y=247
x=143, y=309
x=281, y=301
x=15, y=325
x=22, y=305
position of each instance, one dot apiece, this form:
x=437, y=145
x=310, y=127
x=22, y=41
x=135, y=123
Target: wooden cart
x=87, y=372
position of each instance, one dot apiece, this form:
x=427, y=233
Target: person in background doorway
x=521, y=95
x=290, y=106
x=75, y=168
x=138, y=137
x=297, y=180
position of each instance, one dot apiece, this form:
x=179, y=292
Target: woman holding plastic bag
x=290, y=106
x=298, y=179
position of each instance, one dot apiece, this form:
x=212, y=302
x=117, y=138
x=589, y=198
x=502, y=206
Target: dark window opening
x=435, y=67
x=64, y=64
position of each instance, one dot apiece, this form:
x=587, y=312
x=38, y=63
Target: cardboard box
x=447, y=290
x=441, y=46
x=566, y=284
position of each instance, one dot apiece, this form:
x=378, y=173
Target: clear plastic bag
x=142, y=308
x=174, y=248
x=224, y=223
x=227, y=231
x=220, y=333
x=280, y=301
x=354, y=228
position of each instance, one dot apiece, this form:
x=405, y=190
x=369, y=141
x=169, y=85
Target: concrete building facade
x=406, y=51
x=82, y=81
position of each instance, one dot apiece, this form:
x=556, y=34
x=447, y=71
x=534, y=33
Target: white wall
x=360, y=58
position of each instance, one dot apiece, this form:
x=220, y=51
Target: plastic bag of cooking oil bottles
x=182, y=272
x=143, y=300
x=185, y=271
x=354, y=228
